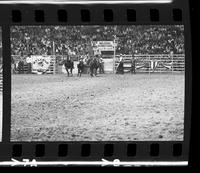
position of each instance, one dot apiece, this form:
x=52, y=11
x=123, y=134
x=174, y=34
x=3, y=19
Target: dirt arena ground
x=110, y=107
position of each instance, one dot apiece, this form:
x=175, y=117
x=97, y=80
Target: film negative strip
x=105, y=83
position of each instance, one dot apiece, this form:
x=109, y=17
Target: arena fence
x=150, y=63
x=145, y=63
x=27, y=67
x=55, y=63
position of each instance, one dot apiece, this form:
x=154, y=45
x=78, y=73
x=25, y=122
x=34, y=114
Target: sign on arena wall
x=40, y=64
x=104, y=46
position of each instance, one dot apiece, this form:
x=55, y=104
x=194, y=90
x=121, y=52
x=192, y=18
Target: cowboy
x=133, y=63
x=120, y=68
x=21, y=66
x=121, y=58
x=101, y=65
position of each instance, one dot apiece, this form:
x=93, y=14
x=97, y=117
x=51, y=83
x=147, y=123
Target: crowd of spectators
x=1, y=59
x=76, y=40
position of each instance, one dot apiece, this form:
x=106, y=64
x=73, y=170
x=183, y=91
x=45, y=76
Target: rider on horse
x=69, y=64
x=80, y=67
x=94, y=65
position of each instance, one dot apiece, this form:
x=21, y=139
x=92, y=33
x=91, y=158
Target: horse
x=94, y=65
x=80, y=67
x=69, y=65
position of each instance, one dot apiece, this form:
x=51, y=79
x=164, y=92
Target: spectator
x=38, y=40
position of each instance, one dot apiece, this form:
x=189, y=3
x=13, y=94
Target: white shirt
x=101, y=60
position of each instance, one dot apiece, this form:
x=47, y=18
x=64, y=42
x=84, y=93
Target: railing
x=145, y=63
x=149, y=63
x=27, y=69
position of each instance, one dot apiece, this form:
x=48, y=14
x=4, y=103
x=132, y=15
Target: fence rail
x=145, y=63
x=148, y=63
x=27, y=67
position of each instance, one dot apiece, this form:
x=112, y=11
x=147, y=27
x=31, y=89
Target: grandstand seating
x=38, y=40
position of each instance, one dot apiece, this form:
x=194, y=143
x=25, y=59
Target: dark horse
x=94, y=65
x=69, y=65
x=80, y=67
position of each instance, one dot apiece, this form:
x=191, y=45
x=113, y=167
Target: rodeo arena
x=97, y=83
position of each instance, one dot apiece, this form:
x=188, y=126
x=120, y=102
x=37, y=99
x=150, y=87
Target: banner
x=104, y=46
x=40, y=64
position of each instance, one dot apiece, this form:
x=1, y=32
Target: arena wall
x=145, y=63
